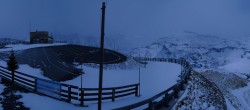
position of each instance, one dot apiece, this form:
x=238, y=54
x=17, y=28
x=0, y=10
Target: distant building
x=40, y=37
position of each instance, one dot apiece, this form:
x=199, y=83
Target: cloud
x=145, y=18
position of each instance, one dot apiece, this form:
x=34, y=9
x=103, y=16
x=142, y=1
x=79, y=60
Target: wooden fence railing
x=66, y=92
x=27, y=42
x=167, y=95
x=65, y=42
x=69, y=93
x=24, y=80
x=91, y=94
x=15, y=42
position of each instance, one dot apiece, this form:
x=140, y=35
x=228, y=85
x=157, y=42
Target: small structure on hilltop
x=40, y=37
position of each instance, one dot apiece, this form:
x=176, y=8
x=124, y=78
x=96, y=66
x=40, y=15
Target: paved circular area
x=56, y=62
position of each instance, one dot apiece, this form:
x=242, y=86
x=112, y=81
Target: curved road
x=56, y=62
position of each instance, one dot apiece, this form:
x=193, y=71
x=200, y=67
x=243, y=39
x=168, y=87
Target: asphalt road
x=56, y=62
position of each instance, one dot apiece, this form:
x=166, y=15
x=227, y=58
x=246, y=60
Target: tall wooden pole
x=101, y=58
x=81, y=75
x=139, y=80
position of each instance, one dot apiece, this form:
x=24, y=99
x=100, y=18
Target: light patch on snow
x=3, y=63
x=1, y=86
x=37, y=102
x=238, y=66
x=235, y=55
x=22, y=46
x=229, y=105
x=110, y=77
x=24, y=68
x=246, y=96
x=243, y=96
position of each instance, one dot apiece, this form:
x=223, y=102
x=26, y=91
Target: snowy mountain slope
x=243, y=96
x=201, y=94
x=202, y=51
x=117, y=42
x=9, y=40
x=6, y=41
x=227, y=61
x=228, y=83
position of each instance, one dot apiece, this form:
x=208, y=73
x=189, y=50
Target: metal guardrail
x=168, y=94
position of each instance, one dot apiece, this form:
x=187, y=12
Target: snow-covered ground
x=1, y=90
x=230, y=58
x=155, y=77
x=243, y=96
x=23, y=46
x=24, y=68
x=201, y=95
x=202, y=51
x=238, y=66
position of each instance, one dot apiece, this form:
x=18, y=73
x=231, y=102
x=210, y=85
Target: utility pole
x=140, y=76
x=101, y=58
x=81, y=75
x=139, y=80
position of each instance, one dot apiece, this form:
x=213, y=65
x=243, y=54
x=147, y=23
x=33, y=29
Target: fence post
x=113, y=94
x=176, y=92
x=13, y=77
x=69, y=94
x=151, y=105
x=182, y=85
x=136, y=90
x=166, y=103
x=185, y=80
x=82, y=97
x=35, y=88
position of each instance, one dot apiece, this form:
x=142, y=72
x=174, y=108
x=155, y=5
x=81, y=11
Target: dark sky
x=126, y=18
